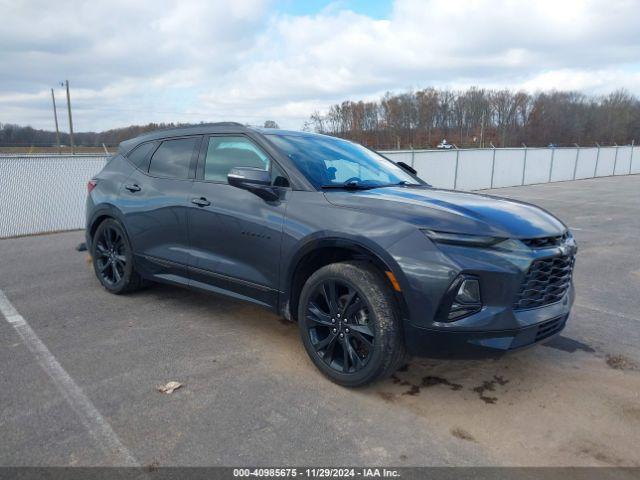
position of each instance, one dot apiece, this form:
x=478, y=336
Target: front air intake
x=546, y=282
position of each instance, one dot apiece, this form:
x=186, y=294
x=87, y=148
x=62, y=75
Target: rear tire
x=113, y=259
x=349, y=324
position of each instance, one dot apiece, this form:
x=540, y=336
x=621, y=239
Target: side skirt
x=166, y=271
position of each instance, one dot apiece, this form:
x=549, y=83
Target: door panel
x=235, y=239
x=156, y=220
x=156, y=210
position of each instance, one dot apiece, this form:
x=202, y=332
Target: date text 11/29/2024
x=317, y=472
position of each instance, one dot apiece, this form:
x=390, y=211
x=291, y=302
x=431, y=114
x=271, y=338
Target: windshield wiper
x=353, y=185
x=404, y=183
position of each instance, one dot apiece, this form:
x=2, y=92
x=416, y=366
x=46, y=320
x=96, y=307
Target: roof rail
x=222, y=124
x=155, y=134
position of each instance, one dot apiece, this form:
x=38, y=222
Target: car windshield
x=332, y=162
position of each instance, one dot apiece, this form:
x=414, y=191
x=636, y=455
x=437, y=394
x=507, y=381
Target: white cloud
x=195, y=60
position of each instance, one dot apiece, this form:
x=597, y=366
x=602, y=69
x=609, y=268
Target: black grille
x=543, y=242
x=546, y=282
x=549, y=328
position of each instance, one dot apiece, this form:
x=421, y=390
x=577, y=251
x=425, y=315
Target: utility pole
x=73, y=150
x=55, y=116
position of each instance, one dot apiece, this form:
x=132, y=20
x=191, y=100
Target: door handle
x=133, y=188
x=201, y=202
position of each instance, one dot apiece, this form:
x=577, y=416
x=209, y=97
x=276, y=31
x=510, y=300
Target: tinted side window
x=139, y=154
x=225, y=153
x=173, y=158
x=278, y=177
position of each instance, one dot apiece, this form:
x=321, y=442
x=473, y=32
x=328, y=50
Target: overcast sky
x=137, y=61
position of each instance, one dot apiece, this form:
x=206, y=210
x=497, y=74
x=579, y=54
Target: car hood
x=453, y=211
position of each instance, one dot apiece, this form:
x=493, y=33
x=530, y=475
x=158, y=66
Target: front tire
x=113, y=259
x=349, y=324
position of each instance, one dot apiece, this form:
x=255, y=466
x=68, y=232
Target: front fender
x=325, y=239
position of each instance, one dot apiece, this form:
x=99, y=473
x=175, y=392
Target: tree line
x=16, y=136
x=474, y=117
x=479, y=117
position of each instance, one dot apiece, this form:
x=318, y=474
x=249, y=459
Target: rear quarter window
x=173, y=158
x=138, y=155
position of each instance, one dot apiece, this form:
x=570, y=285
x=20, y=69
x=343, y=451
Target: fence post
x=493, y=163
x=575, y=166
x=524, y=165
x=413, y=156
x=595, y=169
x=631, y=158
x=615, y=162
x=553, y=152
x=455, y=177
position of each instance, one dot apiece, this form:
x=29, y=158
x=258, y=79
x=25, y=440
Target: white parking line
x=92, y=420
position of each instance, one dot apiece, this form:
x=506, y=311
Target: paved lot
x=252, y=397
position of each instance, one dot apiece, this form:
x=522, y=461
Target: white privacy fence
x=44, y=193
x=47, y=193
x=476, y=169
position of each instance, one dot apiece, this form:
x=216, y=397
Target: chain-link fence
x=46, y=193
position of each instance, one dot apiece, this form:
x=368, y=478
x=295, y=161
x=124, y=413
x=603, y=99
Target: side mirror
x=255, y=180
x=407, y=168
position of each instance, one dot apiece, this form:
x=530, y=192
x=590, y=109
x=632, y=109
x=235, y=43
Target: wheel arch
x=316, y=253
x=100, y=214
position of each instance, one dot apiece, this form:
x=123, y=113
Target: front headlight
x=462, y=238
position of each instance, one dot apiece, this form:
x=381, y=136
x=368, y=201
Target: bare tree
x=427, y=109
x=472, y=117
x=476, y=116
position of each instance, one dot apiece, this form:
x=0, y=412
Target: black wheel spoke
x=353, y=308
x=362, y=329
x=325, y=342
x=101, y=250
x=107, y=239
x=329, y=293
x=351, y=296
x=119, y=265
x=314, y=314
x=345, y=355
x=116, y=273
x=362, y=338
x=328, y=352
x=355, y=359
x=104, y=266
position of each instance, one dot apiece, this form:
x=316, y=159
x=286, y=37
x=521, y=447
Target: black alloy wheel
x=110, y=255
x=113, y=258
x=338, y=324
x=350, y=324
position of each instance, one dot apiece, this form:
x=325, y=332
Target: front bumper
x=499, y=327
x=430, y=343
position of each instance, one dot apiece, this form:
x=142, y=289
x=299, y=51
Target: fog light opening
x=469, y=292
x=467, y=300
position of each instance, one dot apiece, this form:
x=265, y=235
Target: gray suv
x=371, y=262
